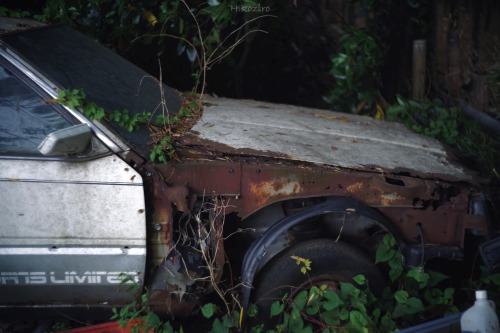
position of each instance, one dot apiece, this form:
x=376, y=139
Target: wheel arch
x=258, y=248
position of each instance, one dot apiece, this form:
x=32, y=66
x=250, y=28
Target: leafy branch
x=449, y=125
x=205, y=48
x=162, y=127
x=412, y=296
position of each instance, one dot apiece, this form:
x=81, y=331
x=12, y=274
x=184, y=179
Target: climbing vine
x=412, y=295
x=162, y=128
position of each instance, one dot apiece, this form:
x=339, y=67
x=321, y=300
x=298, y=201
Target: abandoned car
x=85, y=213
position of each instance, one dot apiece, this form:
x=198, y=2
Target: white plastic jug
x=481, y=317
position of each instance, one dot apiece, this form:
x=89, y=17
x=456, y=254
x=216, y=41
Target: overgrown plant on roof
x=449, y=125
x=162, y=127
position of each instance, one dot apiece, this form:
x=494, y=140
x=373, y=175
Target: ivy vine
x=161, y=127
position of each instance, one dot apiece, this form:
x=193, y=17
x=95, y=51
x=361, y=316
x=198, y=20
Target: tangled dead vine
x=202, y=232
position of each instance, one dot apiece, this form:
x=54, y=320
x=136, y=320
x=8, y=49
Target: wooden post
x=453, y=78
x=419, y=67
x=441, y=30
x=480, y=91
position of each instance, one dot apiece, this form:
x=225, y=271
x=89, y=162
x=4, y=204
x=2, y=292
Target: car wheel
x=331, y=262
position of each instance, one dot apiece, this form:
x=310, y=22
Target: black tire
x=331, y=261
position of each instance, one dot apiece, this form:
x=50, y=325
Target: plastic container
x=481, y=317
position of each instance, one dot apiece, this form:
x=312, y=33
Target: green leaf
x=208, y=310
x=295, y=313
x=330, y=318
x=388, y=322
x=419, y=276
x=401, y=296
x=313, y=308
x=411, y=306
x=61, y=94
x=396, y=272
x=228, y=322
x=414, y=305
x=253, y=310
x=218, y=327
x=346, y=290
x=360, y=279
x=332, y=300
x=296, y=323
x=358, y=319
x=436, y=277
x=277, y=308
x=344, y=314
x=313, y=303
x=448, y=293
x=301, y=299
x=384, y=253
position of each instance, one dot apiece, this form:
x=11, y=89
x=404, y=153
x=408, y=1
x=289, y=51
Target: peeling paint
x=355, y=187
x=387, y=199
x=275, y=188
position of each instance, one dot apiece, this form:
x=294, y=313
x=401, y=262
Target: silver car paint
x=69, y=229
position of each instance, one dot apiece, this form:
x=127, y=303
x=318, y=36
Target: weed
x=449, y=125
x=413, y=296
x=356, y=72
x=162, y=126
x=428, y=118
x=306, y=264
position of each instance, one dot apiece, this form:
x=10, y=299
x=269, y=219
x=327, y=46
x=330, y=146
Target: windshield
x=25, y=120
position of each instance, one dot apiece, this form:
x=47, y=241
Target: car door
x=72, y=228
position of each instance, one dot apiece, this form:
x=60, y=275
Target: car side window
x=25, y=119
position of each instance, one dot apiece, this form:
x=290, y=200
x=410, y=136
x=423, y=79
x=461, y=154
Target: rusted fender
x=258, y=249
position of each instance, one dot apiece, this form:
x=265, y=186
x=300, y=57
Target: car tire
x=332, y=262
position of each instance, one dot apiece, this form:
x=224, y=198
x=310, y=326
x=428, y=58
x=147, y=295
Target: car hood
x=250, y=128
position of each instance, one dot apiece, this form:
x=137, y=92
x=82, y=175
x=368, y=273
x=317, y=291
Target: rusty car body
x=251, y=179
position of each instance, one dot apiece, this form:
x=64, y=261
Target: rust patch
x=266, y=191
x=204, y=177
x=388, y=199
x=190, y=145
x=439, y=207
x=355, y=187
